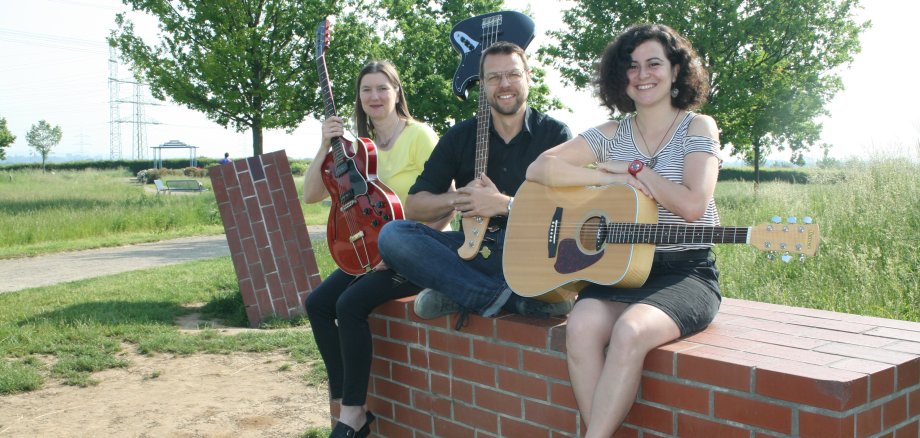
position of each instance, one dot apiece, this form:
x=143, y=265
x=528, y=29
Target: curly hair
x=692, y=78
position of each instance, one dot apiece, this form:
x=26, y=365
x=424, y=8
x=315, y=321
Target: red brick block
x=675, y=394
x=651, y=417
x=894, y=412
x=525, y=331
x=869, y=422
x=444, y=428
x=549, y=415
x=391, y=350
x=479, y=326
x=821, y=426
x=394, y=391
x=472, y=371
x=410, y=376
x=502, y=402
x=515, y=428
x=505, y=355
x=546, y=365
x=477, y=418
x=414, y=418
x=909, y=373
x=914, y=404
x=399, y=331
x=562, y=395
x=909, y=430
x=452, y=388
x=450, y=343
x=526, y=386
x=753, y=412
x=816, y=386
x=693, y=427
x=720, y=367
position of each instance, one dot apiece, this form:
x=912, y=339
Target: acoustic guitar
x=559, y=239
x=497, y=26
x=361, y=203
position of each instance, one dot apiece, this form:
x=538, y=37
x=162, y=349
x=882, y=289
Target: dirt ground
x=205, y=395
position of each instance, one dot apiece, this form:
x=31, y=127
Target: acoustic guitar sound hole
x=589, y=236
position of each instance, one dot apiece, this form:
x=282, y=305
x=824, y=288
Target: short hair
x=692, y=79
x=365, y=125
x=502, y=48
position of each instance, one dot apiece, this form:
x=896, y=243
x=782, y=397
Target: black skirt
x=684, y=285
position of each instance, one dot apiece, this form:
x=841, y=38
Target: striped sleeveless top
x=670, y=165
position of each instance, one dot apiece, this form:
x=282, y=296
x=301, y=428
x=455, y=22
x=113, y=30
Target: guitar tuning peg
x=792, y=220
x=775, y=219
x=807, y=219
x=786, y=258
x=801, y=258
x=771, y=256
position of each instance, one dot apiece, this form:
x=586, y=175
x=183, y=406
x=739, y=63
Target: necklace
x=654, y=160
x=386, y=144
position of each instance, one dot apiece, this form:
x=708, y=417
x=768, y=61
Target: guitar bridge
x=552, y=238
x=356, y=236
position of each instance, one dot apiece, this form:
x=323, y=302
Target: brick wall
x=759, y=370
x=269, y=243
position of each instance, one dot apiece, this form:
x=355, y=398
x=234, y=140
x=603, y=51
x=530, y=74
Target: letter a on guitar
x=361, y=203
x=497, y=26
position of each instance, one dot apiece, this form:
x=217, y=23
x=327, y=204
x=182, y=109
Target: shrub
x=299, y=167
x=195, y=172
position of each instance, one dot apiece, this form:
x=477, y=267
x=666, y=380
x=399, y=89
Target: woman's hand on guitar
x=332, y=127
x=381, y=266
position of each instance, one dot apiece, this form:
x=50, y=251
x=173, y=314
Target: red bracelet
x=635, y=167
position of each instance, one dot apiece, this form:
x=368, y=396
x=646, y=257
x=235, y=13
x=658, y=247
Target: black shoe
x=366, y=429
x=342, y=430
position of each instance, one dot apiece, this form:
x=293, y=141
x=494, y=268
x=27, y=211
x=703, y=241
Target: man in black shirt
x=429, y=257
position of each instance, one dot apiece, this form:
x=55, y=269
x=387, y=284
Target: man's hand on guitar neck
x=481, y=198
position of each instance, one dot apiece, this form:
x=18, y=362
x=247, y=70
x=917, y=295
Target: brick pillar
x=269, y=243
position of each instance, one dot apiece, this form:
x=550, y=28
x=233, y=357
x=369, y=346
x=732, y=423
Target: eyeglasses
x=513, y=77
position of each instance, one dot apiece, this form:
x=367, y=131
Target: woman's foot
x=354, y=421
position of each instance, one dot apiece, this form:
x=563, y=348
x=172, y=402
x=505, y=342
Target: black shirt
x=454, y=157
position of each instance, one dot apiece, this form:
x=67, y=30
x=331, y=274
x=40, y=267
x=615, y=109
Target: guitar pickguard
x=570, y=259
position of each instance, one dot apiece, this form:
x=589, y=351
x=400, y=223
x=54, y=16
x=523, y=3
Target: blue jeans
x=429, y=259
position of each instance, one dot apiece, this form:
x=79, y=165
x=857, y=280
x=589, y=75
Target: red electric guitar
x=361, y=204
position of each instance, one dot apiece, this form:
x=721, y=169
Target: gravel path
x=24, y=273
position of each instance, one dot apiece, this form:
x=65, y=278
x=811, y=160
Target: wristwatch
x=635, y=167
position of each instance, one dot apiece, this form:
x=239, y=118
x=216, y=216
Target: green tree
x=251, y=65
x=423, y=55
x=43, y=137
x=6, y=138
x=243, y=63
x=773, y=63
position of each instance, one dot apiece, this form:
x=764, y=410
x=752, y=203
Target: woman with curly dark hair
x=653, y=76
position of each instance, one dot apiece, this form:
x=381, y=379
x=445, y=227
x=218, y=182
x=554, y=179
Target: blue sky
x=56, y=68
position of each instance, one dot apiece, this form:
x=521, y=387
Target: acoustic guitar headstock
x=786, y=239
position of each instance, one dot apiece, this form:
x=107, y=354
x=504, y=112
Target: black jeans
x=346, y=346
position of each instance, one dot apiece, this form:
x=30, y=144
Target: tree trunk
x=256, y=137
x=756, y=161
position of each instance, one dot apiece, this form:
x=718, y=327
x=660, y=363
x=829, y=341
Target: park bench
x=160, y=186
x=184, y=185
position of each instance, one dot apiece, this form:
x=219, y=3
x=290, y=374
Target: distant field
x=71, y=210
x=869, y=214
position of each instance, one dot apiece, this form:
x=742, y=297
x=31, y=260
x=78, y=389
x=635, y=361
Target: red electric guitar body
x=361, y=203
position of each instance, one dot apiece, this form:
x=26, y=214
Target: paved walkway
x=23, y=273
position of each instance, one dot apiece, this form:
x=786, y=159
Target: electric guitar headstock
x=786, y=239
x=323, y=29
